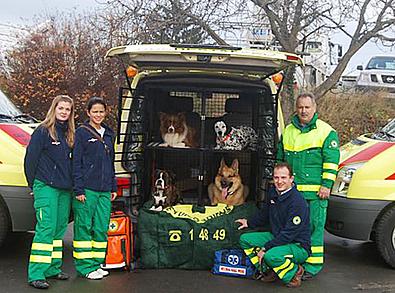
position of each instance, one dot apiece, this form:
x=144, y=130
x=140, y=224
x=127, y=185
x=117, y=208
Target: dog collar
x=157, y=189
x=228, y=136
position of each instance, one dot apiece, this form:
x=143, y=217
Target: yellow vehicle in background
x=362, y=203
x=16, y=203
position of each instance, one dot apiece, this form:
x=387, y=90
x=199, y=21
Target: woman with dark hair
x=48, y=172
x=94, y=188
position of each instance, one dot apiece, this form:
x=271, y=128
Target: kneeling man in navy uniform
x=279, y=254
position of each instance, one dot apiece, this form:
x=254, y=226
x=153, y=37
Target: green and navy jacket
x=313, y=152
x=288, y=216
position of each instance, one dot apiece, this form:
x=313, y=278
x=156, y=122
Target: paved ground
x=350, y=267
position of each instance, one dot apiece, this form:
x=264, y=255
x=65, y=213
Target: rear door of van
x=208, y=58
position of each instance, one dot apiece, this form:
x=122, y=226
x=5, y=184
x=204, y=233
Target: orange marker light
x=277, y=78
x=131, y=71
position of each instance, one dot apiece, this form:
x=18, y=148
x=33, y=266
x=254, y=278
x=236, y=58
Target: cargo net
x=195, y=171
x=247, y=169
x=185, y=167
x=196, y=167
x=234, y=111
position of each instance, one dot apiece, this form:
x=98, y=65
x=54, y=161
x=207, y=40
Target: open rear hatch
x=206, y=58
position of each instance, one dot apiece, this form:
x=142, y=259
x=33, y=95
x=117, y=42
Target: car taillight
x=123, y=185
x=373, y=77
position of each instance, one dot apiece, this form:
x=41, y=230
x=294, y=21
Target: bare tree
x=375, y=21
x=295, y=21
x=166, y=21
x=68, y=56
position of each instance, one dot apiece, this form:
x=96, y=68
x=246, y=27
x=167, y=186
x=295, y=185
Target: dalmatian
x=238, y=138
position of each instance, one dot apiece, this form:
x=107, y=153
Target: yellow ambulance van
x=362, y=203
x=16, y=203
x=202, y=84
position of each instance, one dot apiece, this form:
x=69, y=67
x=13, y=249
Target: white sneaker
x=95, y=275
x=102, y=272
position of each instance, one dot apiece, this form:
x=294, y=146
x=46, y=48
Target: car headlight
x=364, y=77
x=373, y=78
x=344, y=178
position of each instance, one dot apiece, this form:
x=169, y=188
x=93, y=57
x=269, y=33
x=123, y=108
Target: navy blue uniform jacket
x=288, y=216
x=93, y=161
x=48, y=160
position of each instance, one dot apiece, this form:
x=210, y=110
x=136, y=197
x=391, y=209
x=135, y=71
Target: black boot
x=39, y=284
x=61, y=276
x=307, y=276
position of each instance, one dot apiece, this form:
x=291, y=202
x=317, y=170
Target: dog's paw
x=164, y=144
x=156, y=209
x=180, y=145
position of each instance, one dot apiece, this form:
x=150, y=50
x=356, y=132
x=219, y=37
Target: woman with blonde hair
x=48, y=172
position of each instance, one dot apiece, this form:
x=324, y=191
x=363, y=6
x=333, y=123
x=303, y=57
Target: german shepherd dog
x=164, y=190
x=227, y=187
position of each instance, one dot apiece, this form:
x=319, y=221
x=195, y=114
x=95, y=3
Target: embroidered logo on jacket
x=56, y=143
x=296, y=220
x=92, y=139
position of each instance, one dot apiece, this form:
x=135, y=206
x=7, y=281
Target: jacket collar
x=108, y=131
x=306, y=128
x=284, y=196
x=61, y=126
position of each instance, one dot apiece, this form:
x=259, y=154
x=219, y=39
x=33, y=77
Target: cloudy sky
x=20, y=11
x=14, y=12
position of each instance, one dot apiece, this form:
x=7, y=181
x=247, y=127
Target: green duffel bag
x=186, y=236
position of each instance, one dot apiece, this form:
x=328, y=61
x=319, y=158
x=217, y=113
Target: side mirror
x=359, y=67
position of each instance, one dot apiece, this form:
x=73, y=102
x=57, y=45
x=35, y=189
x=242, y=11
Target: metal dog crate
x=204, y=101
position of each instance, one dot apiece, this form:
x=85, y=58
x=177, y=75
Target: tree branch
x=198, y=20
x=385, y=38
x=338, y=26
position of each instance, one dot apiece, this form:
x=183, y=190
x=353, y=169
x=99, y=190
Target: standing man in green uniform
x=311, y=147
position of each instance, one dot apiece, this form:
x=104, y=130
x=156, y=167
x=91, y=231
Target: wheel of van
x=4, y=222
x=385, y=237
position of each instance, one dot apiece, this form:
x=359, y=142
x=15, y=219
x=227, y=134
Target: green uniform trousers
x=282, y=259
x=315, y=262
x=52, y=207
x=91, y=220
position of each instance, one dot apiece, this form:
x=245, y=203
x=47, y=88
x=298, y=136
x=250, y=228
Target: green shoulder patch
x=296, y=220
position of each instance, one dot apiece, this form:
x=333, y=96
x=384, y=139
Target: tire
x=385, y=237
x=4, y=222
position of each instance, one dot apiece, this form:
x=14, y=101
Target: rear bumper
x=353, y=218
